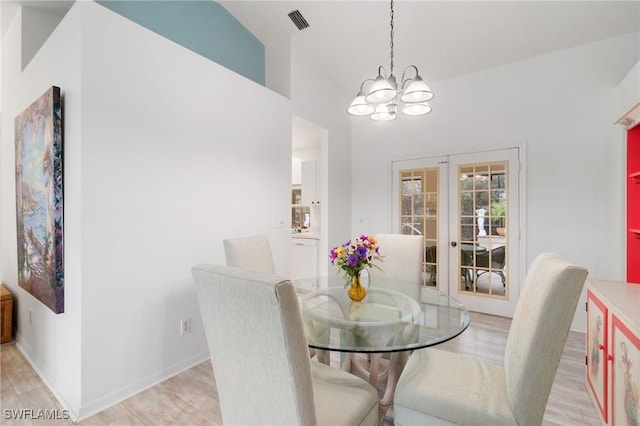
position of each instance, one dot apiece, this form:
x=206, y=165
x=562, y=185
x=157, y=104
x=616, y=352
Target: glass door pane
x=419, y=215
x=484, y=230
x=482, y=243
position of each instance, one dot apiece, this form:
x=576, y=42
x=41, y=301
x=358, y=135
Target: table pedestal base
x=377, y=371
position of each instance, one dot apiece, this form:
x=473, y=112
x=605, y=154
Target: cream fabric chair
x=403, y=262
x=259, y=356
x=402, y=257
x=251, y=253
x=254, y=254
x=438, y=387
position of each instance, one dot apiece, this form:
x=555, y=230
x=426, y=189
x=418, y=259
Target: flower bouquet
x=352, y=257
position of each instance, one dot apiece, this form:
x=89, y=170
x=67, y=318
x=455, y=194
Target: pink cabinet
x=613, y=350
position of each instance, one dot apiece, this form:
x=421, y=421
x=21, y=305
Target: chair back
x=251, y=253
x=497, y=257
x=493, y=258
x=402, y=257
x=257, y=344
x=538, y=333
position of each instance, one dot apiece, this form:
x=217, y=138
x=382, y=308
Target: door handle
x=453, y=243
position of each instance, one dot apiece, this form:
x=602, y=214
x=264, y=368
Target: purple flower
x=362, y=252
x=353, y=259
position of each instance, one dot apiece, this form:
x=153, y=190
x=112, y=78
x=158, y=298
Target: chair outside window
x=431, y=258
x=491, y=262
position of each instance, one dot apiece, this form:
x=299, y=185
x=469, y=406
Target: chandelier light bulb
x=382, y=91
x=384, y=112
x=416, y=109
x=417, y=91
x=359, y=107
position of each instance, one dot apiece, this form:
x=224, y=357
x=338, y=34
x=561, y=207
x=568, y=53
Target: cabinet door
x=625, y=374
x=597, y=371
x=304, y=258
x=310, y=183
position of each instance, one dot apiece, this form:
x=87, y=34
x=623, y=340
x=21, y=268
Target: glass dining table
x=394, y=319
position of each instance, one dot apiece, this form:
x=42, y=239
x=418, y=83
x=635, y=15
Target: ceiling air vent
x=298, y=20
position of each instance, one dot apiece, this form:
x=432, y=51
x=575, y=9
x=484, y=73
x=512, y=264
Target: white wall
x=38, y=24
x=627, y=93
x=51, y=342
x=160, y=166
x=559, y=105
x=297, y=157
x=314, y=99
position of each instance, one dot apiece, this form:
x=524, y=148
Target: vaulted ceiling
x=348, y=40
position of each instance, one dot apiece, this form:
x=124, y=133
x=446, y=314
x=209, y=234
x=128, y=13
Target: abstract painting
x=39, y=201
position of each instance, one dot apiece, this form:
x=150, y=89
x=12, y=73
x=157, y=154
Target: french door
x=466, y=208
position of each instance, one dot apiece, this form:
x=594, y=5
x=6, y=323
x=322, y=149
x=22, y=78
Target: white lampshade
x=416, y=91
x=421, y=108
x=360, y=107
x=384, y=112
x=382, y=90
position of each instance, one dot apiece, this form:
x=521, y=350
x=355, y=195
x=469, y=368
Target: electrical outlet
x=185, y=326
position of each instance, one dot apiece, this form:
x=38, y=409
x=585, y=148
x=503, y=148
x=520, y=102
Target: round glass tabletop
x=394, y=316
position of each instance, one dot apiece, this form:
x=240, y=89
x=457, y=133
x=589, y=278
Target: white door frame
x=448, y=173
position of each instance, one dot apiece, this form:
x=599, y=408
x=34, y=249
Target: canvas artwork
x=39, y=201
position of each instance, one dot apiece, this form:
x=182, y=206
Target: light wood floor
x=190, y=398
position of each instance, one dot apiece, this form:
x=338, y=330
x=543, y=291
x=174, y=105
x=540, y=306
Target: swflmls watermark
x=35, y=414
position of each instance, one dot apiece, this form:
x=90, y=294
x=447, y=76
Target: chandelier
x=384, y=96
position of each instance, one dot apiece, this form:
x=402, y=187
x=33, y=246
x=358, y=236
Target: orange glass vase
x=356, y=290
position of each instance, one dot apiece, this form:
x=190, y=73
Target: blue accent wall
x=204, y=27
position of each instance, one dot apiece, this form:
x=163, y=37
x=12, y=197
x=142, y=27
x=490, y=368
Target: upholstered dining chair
x=403, y=262
x=258, y=351
x=251, y=253
x=254, y=254
x=439, y=387
x=402, y=257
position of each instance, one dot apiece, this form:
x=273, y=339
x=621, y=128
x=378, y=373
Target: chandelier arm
x=405, y=72
x=362, y=85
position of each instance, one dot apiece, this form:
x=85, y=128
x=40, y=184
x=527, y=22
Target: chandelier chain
x=391, y=55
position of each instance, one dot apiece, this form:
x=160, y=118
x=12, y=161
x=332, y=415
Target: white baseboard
x=93, y=407
x=25, y=349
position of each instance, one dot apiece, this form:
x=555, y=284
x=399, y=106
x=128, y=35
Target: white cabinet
x=304, y=258
x=310, y=183
x=613, y=350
